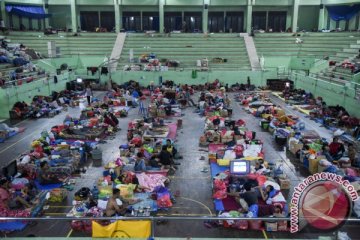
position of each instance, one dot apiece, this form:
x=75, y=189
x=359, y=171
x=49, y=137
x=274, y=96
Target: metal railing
x=154, y=219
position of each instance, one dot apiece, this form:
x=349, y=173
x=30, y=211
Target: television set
x=10, y=170
x=240, y=167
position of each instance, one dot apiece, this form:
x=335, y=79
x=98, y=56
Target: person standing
x=88, y=94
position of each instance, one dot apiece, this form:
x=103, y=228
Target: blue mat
x=146, y=201
x=215, y=169
x=219, y=206
x=47, y=186
x=12, y=226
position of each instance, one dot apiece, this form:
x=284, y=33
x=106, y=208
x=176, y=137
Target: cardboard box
x=284, y=183
x=271, y=226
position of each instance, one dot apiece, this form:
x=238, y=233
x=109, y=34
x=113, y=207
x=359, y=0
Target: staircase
x=251, y=51
x=187, y=48
x=116, y=52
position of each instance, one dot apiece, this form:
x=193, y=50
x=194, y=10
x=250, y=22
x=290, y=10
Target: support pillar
x=249, y=16
x=3, y=13
x=141, y=21
x=295, y=15
x=205, y=16
x=73, y=16
x=117, y=16
x=321, y=24
x=161, y=15
x=46, y=10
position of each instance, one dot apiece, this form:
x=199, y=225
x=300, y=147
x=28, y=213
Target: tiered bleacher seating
x=188, y=48
x=100, y=44
x=314, y=44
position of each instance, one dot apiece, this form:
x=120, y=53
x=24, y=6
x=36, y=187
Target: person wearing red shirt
x=336, y=149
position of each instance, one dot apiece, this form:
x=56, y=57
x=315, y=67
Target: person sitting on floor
x=246, y=199
x=139, y=163
x=115, y=206
x=165, y=159
x=109, y=121
x=6, y=199
x=336, y=149
x=259, y=167
x=170, y=148
x=45, y=177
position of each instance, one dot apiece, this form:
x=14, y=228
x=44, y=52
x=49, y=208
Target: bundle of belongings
x=40, y=107
x=96, y=127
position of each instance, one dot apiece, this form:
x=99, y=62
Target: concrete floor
x=194, y=185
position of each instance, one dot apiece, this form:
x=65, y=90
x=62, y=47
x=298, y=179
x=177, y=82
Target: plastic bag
x=163, y=200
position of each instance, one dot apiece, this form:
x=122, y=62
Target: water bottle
x=95, y=192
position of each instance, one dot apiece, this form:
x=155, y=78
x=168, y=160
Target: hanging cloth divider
x=27, y=11
x=343, y=12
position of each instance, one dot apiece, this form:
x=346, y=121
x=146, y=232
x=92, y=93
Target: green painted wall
x=231, y=77
x=27, y=91
x=274, y=62
x=308, y=17
x=333, y=94
x=301, y=63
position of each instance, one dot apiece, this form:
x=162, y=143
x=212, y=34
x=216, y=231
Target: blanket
x=151, y=181
x=172, y=131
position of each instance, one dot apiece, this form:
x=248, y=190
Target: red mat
x=213, y=147
x=230, y=204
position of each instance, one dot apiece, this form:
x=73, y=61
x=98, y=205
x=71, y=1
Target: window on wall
x=337, y=24
x=89, y=21
x=259, y=20
x=39, y=24
x=21, y=24
x=173, y=21
x=193, y=21
x=11, y=22
x=347, y=25
x=277, y=21
x=107, y=20
x=216, y=22
x=150, y=21
x=30, y=24
x=132, y=21
x=234, y=22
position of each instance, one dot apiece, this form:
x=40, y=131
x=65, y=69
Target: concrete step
x=351, y=50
